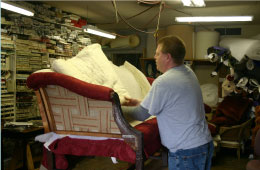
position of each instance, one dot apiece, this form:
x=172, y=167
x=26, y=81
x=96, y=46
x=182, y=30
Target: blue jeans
x=198, y=158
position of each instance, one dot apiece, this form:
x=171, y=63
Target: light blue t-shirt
x=175, y=99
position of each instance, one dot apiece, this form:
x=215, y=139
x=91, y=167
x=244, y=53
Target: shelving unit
x=30, y=44
x=8, y=94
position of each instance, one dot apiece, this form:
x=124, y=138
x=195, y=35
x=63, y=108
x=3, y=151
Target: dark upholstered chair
x=255, y=163
x=235, y=136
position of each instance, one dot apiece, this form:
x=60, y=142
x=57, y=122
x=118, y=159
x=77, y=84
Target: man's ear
x=169, y=56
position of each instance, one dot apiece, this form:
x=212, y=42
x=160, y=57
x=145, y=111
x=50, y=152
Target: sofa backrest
x=72, y=112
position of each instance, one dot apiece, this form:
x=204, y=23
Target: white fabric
x=43, y=71
x=240, y=47
x=114, y=160
x=129, y=82
x=140, y=78
x=91, y=65
x=50, y=137
x=210, y=94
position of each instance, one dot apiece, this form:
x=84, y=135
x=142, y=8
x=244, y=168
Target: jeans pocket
x=195, y=162
x=174, y=163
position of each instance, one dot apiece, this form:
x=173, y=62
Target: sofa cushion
x=92, y=66
x=128, y=81
x=140, y=78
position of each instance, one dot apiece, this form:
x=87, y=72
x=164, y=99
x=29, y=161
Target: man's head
x=170, y=52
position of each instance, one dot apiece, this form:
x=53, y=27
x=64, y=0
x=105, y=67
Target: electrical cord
x=114, y=5
x=150, y=2
x=131, y=16
x=127, y=23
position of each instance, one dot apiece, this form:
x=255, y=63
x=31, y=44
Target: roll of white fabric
x=125, y=42
x=204, y=40
x=239, y=47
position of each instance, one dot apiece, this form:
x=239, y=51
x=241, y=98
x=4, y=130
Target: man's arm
x=131, y=102
x=140, y=113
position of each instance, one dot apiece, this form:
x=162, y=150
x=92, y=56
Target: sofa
x=80, y=104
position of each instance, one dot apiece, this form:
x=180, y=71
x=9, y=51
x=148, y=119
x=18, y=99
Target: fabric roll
x=204, y=40
x=130, y=41
x=241, y=47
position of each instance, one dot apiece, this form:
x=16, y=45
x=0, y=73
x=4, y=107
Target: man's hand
x=131, y=102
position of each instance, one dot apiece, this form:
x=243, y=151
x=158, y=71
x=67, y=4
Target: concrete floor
x=225, y=160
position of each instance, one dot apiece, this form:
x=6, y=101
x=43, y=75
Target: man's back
x=176, y=100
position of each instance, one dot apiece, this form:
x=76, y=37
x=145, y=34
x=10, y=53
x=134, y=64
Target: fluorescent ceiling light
x=15, y=8
x=193, y=3
x=186, y=2
x=96, y=31
x=214, y=19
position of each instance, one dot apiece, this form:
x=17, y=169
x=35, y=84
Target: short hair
x=174, y=46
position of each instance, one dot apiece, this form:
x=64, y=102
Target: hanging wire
x=127, y=23
x=150, y=21
x=149, y=2
x=158, y=23
x=140, y=12
x=114, y=5
x=131, y=16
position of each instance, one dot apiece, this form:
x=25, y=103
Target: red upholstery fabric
x=213, y=129
x=253, y=165
x=107, y=148
x=150, y=80
x=207, y=108
x=85, y=147
x=152, y=141
x=37, y=80
x=231, y=111
x=223, y=121
x=233, y=107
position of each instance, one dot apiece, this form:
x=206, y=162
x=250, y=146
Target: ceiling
x=102, y=13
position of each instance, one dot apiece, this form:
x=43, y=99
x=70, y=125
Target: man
x=175, y=99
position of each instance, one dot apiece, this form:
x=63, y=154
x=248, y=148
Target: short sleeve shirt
x=175, y=99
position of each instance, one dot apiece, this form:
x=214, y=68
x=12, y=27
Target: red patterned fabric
x=37, y=80
x=107, y=148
